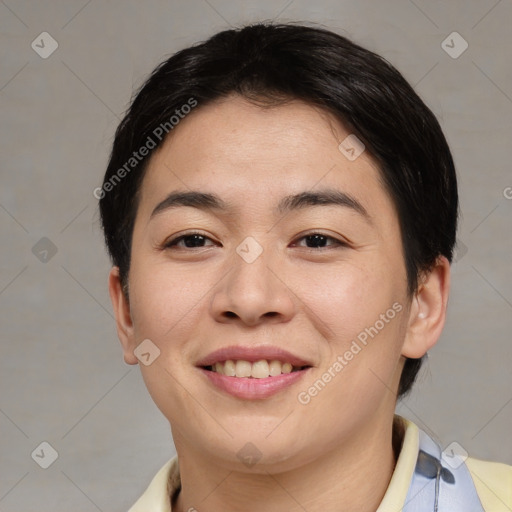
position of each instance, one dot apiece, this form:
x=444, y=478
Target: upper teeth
x=258, y=370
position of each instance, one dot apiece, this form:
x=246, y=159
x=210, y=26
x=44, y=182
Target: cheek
x=164, y=300
x=347, y=299
x=360, y=312
x=165, y=309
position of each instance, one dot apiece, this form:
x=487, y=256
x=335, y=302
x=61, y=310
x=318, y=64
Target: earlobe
x=123, y=316
x=427, y=313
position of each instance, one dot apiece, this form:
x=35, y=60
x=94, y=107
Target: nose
x=253, y=293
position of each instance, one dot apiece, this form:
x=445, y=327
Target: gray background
x=63, y=379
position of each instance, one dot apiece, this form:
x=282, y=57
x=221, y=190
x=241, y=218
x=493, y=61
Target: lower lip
x=250, y=388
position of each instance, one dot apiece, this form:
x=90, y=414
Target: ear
x=427, y=313
x=123, y=316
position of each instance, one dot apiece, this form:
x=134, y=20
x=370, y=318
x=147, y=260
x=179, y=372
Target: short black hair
x=270, y=64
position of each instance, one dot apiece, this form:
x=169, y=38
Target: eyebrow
x=207, y=201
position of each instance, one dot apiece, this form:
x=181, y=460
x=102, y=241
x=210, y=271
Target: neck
x=353, y=477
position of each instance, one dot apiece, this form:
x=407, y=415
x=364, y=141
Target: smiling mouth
x=261, y=369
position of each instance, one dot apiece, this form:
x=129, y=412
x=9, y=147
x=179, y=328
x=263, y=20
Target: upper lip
x=252, y=354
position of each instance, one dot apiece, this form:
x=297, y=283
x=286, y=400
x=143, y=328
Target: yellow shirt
x=493, y=481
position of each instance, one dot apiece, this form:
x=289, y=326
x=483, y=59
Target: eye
x=320, y=241
x=188, y=241
x=197, y=240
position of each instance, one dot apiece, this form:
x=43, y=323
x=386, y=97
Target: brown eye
x=320, y=241
x=188, y=241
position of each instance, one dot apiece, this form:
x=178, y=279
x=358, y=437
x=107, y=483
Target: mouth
x=252, y=373
x=253, y=370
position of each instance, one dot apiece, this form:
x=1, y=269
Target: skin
x=334, y=453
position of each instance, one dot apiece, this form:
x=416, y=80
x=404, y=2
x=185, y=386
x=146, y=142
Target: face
x=293, y=261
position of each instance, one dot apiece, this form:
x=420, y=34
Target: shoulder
x=493, y=483
x=163, y=485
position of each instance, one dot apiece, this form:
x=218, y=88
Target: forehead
x=252, y=156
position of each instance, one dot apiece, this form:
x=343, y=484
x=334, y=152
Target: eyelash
x=174, y=241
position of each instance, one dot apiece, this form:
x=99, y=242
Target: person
x=281, y=209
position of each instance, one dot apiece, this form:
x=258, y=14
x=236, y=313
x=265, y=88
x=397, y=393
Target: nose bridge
x=251, y=291
x=251, y=271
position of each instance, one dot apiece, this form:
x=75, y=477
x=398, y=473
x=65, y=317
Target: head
x=357, y=261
